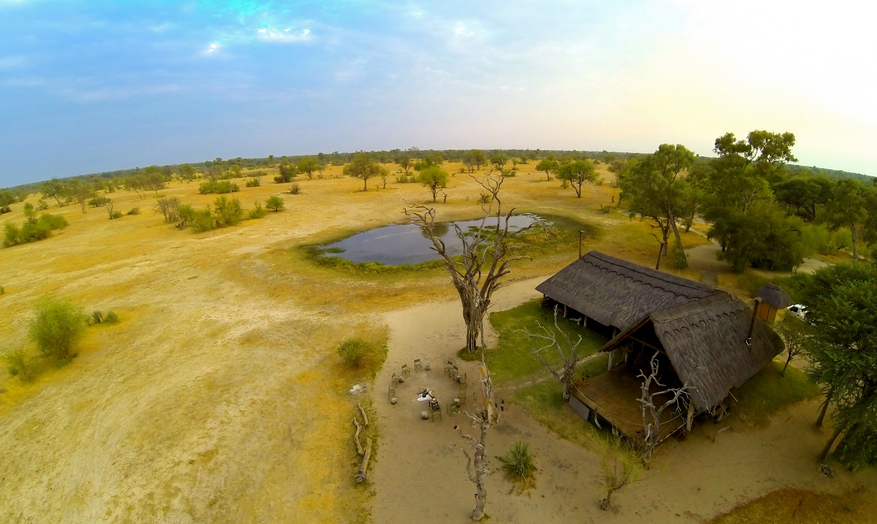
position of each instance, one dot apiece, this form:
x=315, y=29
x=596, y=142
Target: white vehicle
x=799, y=310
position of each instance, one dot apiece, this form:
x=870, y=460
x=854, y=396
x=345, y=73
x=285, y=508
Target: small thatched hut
x=769, y=300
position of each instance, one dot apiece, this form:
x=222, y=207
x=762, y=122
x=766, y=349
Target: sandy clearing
x=420, y=475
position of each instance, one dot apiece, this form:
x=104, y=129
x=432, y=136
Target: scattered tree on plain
x=363, y=168
x=577, y=172
x=548, y=166
x=433, y=178
x=308, y=166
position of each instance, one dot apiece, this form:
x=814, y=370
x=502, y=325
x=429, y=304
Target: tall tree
x=655, y=189
x=363, y=168
x=308, y=165
x=80, y=191
x=843, y=355
x=577, y=172
x=54, y=188
x=847, y=208
x=433, y=178
x=483, y=260
x=404, y=162
x=548, y=166
x=499, y=160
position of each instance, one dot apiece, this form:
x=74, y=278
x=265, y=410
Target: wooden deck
x=613, y=396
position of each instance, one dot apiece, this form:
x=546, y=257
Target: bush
x=275, y=203
x=228, y=211
x=134, y=211
x=98, y=201
x=518, y=465
x=218, y=186
x=295, y=189
x=96, y=317
x=42, y=205
x=254, y=182
x=19, y=363
x=33, y=229
x=111, y=318
x=405, y=179
x=202, y=220
x=169, y=207
x=354, y=350
x=258, y=211
x=56, y=327
x=116, y=215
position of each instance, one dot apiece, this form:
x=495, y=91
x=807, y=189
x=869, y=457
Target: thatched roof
x=618, y=293
x=774, y=295
x=705, y=341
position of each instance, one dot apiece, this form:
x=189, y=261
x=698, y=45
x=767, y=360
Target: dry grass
x=212, y=396
x=805, y=507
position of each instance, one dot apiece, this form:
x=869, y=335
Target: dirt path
x=420, y=472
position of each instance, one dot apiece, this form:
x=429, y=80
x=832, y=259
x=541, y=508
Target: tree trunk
x=783, y=372
x=578, y=188
x=365, y=184
x=855, y=250
x=660, y=252
x=480, y=471
x=827, y=447
x=824, y=408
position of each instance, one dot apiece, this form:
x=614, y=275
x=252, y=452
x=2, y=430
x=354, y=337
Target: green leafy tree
x=308, y=165
x=843, y=355
x=363, y=168
x=55, y=189
x=81, y=192
x=229, y=211
x=57, y=326
x=474, y=159
x=275, y=203
x=847, y=208
x=433, y=178
x=404, y=162
x=548, y=166
x=654, y=190
x=6, y=200
x=576, y=173
x=287, y=172
x=187, y=172
x=499, y=160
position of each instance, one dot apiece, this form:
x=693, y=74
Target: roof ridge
x=647, y=272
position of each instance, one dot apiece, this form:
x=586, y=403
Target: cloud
x=10, y=62
x=284, y=36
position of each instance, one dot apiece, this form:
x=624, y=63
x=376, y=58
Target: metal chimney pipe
x=752, y=323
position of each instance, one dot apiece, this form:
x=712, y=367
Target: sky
x=96, y=85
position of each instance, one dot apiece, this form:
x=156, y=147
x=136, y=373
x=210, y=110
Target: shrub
x=228, y=211
x=96, y=317
x=11, y=235
x=275, y=203
x=218, y=186
x=518, y=465
x=169, y=207
x=116, y=215
x=134, y=211
x=258, y=211
x=202, y=220
x=254, y=182
x=295, y=189
x=98, y=201
x=19, y=363
x=111, y=318
x=42, y=205
x=2, y=291
x=354, y=350
x=56, y=327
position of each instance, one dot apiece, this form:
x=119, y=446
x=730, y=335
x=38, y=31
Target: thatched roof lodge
x=704, y=339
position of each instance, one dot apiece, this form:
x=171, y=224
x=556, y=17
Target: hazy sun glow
x=85, y=87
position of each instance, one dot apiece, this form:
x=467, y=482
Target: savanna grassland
x=219, y=396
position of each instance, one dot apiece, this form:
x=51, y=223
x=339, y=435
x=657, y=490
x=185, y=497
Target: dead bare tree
x=485, y=259
x=477, y=463
x=653, y=409
x=566, y=347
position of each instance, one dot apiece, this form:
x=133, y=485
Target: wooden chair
x=391, y=394
x=436, y=409
x=449, y=369
x=405, y=371
x=418, y=366
x=454, y=407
